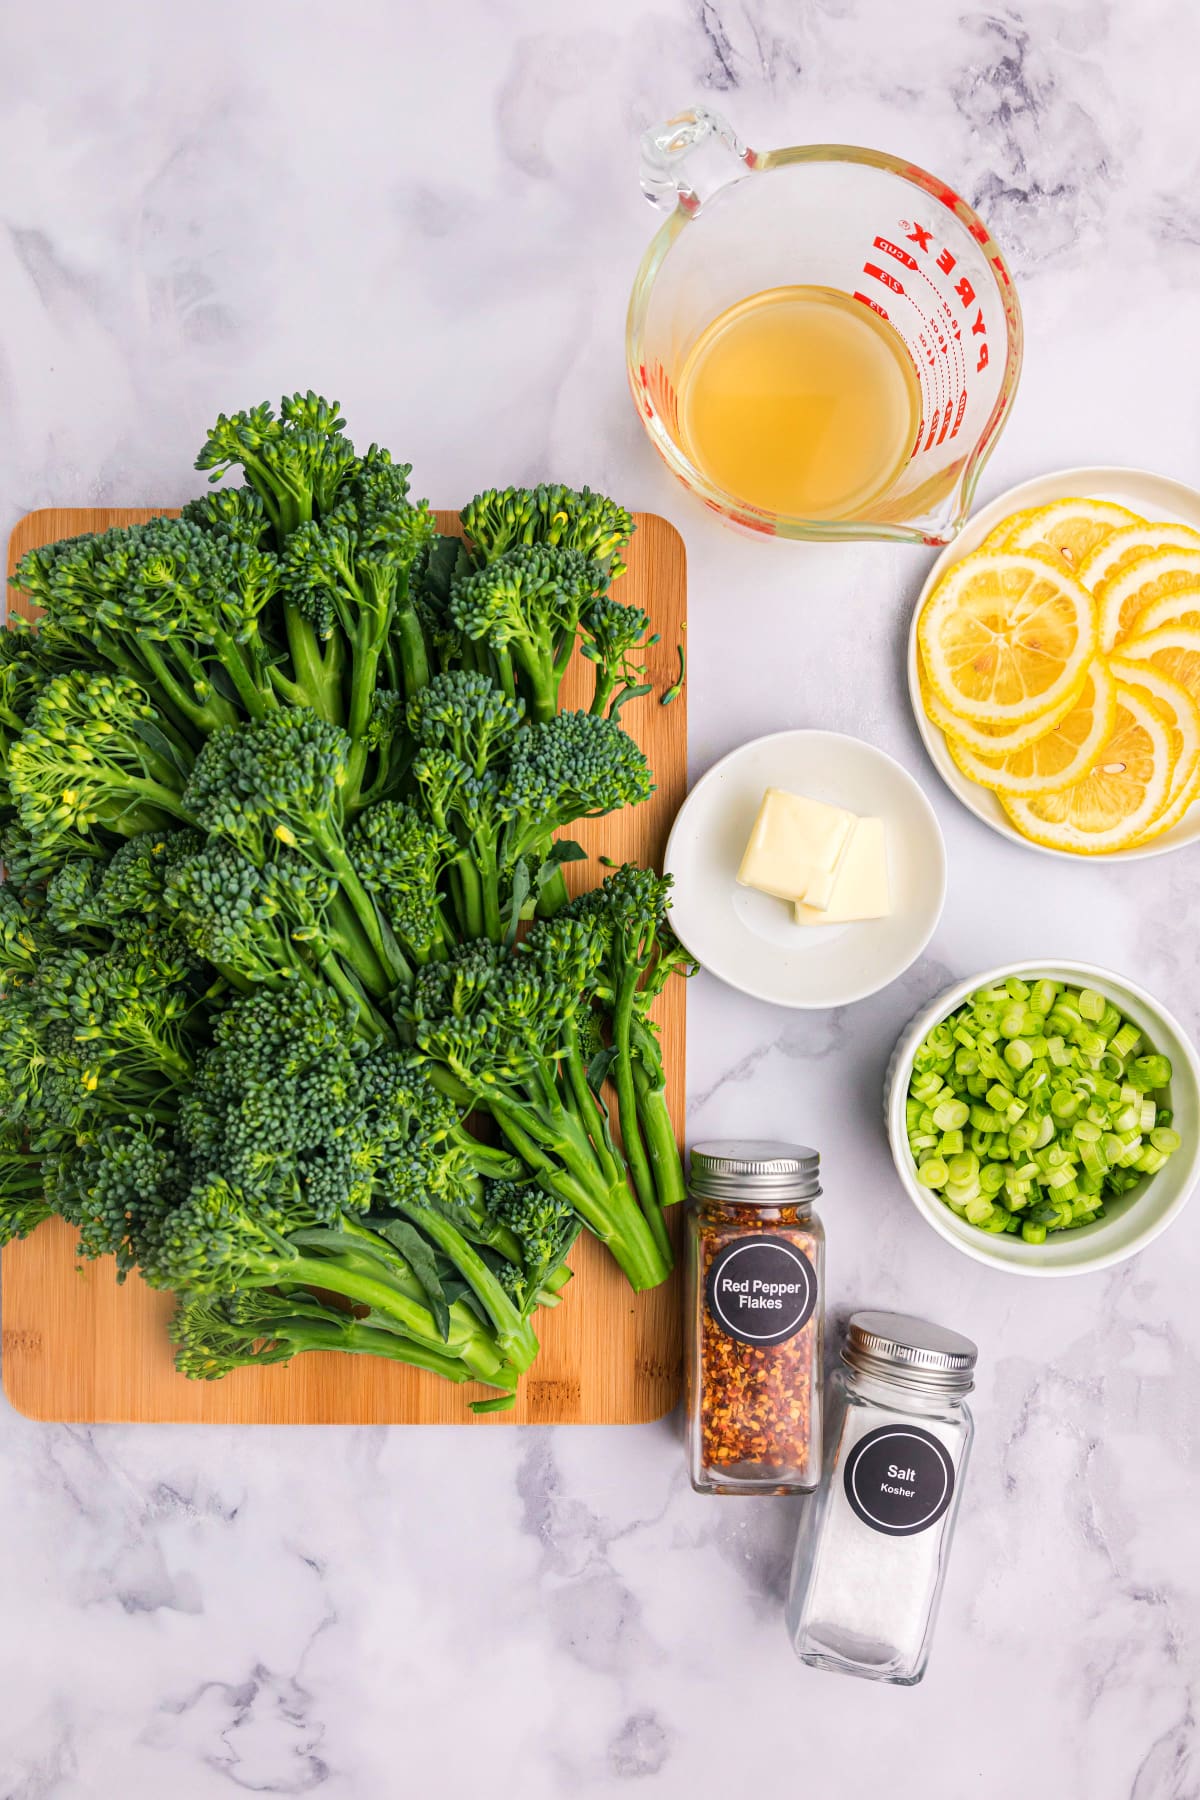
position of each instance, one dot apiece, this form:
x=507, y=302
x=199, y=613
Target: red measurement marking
x=959, y=410
x=890, y=249
x=889, y=281
x=933, y=425
x=873, y=304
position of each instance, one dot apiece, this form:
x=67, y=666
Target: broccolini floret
x=573, y=518
x=525, y=605
x=168, y=604
x=544, y=1227
x=502, y=793
x=281, y=781
x=613, y=632
x=94, y=753
x=500, y=1029
x=350, y=573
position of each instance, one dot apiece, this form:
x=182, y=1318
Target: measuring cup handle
x=686, y=160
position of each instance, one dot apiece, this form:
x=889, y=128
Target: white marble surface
x=438, y=223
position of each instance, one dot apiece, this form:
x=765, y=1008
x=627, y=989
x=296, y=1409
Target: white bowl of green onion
x=1045, y=1117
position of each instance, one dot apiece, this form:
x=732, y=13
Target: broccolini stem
x=514, y=1334
x=391, y=960
x=155, y=794
x=608, y=1209
x=627, y=1110
x=554, y=895
x=602, y=693
x=196, y=672
x=489, y=1160
x=256, y=702
x=350, y=941
x=659, y=1127
x=385, y=1296
x=308, y=665
x=361, y=1338
x=502, y=661
x=541, y=679
x=364, y=1012
x=591, y=1115
x=287, y=690
x=414, y=658
x=472, y=896
x=493, y=924
x=205, y=716
x=362, y=695
x=657, y=1124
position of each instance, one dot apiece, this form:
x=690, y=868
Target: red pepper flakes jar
x=756, y=1308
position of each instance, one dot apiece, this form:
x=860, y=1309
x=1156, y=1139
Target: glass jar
x=755, y=1316
x=873, y=1545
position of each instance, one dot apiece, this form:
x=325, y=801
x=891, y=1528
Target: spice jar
x=756, y=1303
x=874, y=1541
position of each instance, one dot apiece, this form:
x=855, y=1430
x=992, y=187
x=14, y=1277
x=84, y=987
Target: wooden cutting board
x=77, y=1346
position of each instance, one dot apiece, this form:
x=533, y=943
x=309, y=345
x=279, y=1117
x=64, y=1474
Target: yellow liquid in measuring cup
x=800, y=400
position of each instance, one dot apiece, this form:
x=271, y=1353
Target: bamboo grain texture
x=78, y=1346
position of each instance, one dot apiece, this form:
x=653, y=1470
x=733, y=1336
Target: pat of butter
x=861, y=888
x=794, y=842
x=822, y=887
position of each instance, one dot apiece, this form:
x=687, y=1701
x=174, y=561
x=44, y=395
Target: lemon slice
x=1149, y=576
x=1063, y=755
x=1072, y=527
x=990, y=740
x=1117, y=800
x=1006, y=636
x=997, y=537
x=1113, y=554
x=1173, y=651
x=1183, y=724
x=1180, y=608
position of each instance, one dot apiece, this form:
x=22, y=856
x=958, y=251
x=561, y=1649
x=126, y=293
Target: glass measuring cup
x=870, y=226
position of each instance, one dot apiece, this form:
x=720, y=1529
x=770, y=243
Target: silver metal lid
x=899, y=1347
x=754, y=1172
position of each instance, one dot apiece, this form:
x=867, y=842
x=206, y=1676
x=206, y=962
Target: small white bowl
x=1131, y=1222
x=1156, y=497
x=751, y=940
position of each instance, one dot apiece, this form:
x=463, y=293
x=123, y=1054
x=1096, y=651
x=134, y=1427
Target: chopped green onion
x=1028, y=1108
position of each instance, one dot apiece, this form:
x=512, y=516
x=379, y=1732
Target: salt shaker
x=874, y=1541
x=755, y=1316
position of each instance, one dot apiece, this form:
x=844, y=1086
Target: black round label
x=899, y=1479
x=761, y=1290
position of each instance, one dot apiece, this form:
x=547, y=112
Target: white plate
x=1155, y=497
x=751, y=940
